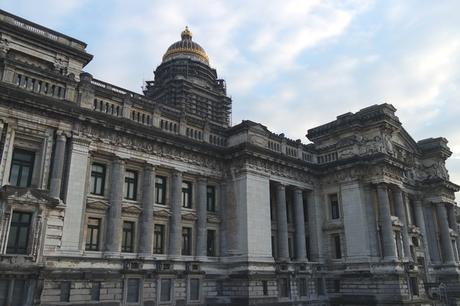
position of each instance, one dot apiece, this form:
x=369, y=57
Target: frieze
x=155, y=148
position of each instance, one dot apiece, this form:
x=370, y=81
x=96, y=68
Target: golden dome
x=186, y=48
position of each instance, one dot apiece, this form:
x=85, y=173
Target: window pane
x=65, y=291
x=211, y=243
x=18, y=292
x=158, y=247
x=186, y=241
x=165, y=290
x=19, y=233
x=194, y=289
x=133, y=290
x=14, y=175
x=95, y=291
x=4, y=285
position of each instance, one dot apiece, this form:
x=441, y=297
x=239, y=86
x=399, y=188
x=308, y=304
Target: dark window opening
x=97, y=179
x=18, y=238
x=159, y=239
x=187, y=194
x=211, y=243
x=160, y=190
x=211, y=198
x=132, y=295
x=93, y=234
x=127, y=241
x=186, y=241
x=131, y=185
x=22, y=166
x=334, y=205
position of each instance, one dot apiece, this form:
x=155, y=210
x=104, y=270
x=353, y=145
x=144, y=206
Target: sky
x=290, y=65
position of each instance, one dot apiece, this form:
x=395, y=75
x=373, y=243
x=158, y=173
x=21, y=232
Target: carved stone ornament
x=27, y=196
x=98, y=205
x=189, y=216
x=131, y=209
x=162, y=213
x=4, y=47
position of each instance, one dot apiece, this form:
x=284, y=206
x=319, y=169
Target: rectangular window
x=336, y=247
x=211, y=198
x=127, y=241
x=284, y=287
x=132, y=295
x=302, y=283
x=265, y=287
x=194, y=289
x=413, y=283
x=19, y=294
x=187, y=194
x=18, y=238
x=65, y=292
x=320, y=287
x=336, y=285
x=159, y=239
x=165, y=290
x=4, y=286
x=160, y=190
x=211, y=243
x=97, y=179
x=22, y=166
x=186, y=241
x=93, y=234
x=131, y=185
x=95, y=291
x=334, y=205
x=290, y=248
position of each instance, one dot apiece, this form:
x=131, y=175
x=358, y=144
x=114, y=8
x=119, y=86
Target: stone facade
x=110, y=197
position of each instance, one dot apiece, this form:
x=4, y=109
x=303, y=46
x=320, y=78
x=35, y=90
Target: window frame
x=336, y=246
x=171, y=291
x=211, y=198
x=126, y=287
x=214, y=242
x=163, y=238
x=95, y=176
x=160, y=189
x=187, y=194
x=21, y=164
x=124, y=247
x=189, y=289
x=19, y=224
x=334, y=206
x=89, y=231
x=188, y=251
x=131, y=182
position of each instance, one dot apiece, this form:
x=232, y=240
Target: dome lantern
x=186, y=48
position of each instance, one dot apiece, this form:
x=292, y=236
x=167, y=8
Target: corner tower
x=185, y=80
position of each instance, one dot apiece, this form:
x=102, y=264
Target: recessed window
x=211, y=243
x=95, y=291
x=65, y=292
x=302, y=283
x=22, y=166
x=187, y=194
x=413, y=283
x=18, y=238
x=159, y=239
x=283, y=287
x=186, y=241
x=336, y=247
x=265, y=287
x=160, y=190
x=131, y=185
x=211, y=198
x=165, y=290
x=127, y=241
x=97, y=179
x=320, y=287
x=132, y=294
x=93, y=233
x=334, y=205
x=194, y=289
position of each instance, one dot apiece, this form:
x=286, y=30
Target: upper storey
x=185, y=81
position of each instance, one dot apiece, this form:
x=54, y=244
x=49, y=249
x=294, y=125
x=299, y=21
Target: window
x=302, y=283
x=320, y=286
x=334, y=204
x=131, y=185
x=93, y=234
x=336, y=247
x=132, y=294
x=186, y=241
x=160, y=190
x=290, y=248
x=18, y=238
x=4, y=286
x=165, y=290
x=95, y=291
x=211, y=198
x=127, y=241
x=97, y=179
x=336, y=284
x=19, y=297
x=211, y=243
x=194, y=289
x=265, y=287
x=187, y=194
x=159, y=239
x=284, y=287
x=65, y=292
x=21, y=168
x=413, y=283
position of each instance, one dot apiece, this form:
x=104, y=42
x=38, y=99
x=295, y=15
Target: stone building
x=110, y=197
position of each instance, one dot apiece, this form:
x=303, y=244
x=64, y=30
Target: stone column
x=389, y=247
x=401, y=214
x=146, y=218
x=283, y=246
x=114, y=221
x=301, y=251
x=315, y=223
x=58, y=165
x=453, y=225
x=420, y=221
x=175, y=226
x=446, y=244
x=75, y=197
x=224, y=194
x=201, y=211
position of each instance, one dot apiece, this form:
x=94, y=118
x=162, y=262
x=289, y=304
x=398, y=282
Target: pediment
x=131, y=209
x=404, y=140
x=98, y=204
x=162, y=213
x=213, y=219
x=27, y=195
x=189, y=216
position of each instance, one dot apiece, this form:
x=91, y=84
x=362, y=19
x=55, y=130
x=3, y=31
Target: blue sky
x=290, y=65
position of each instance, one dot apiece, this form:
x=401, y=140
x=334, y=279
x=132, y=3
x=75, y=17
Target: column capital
x=149, y=166
x=61, y=134
x=118, y=160
x=176, y=173
x=298, y=190
x=280, y=186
